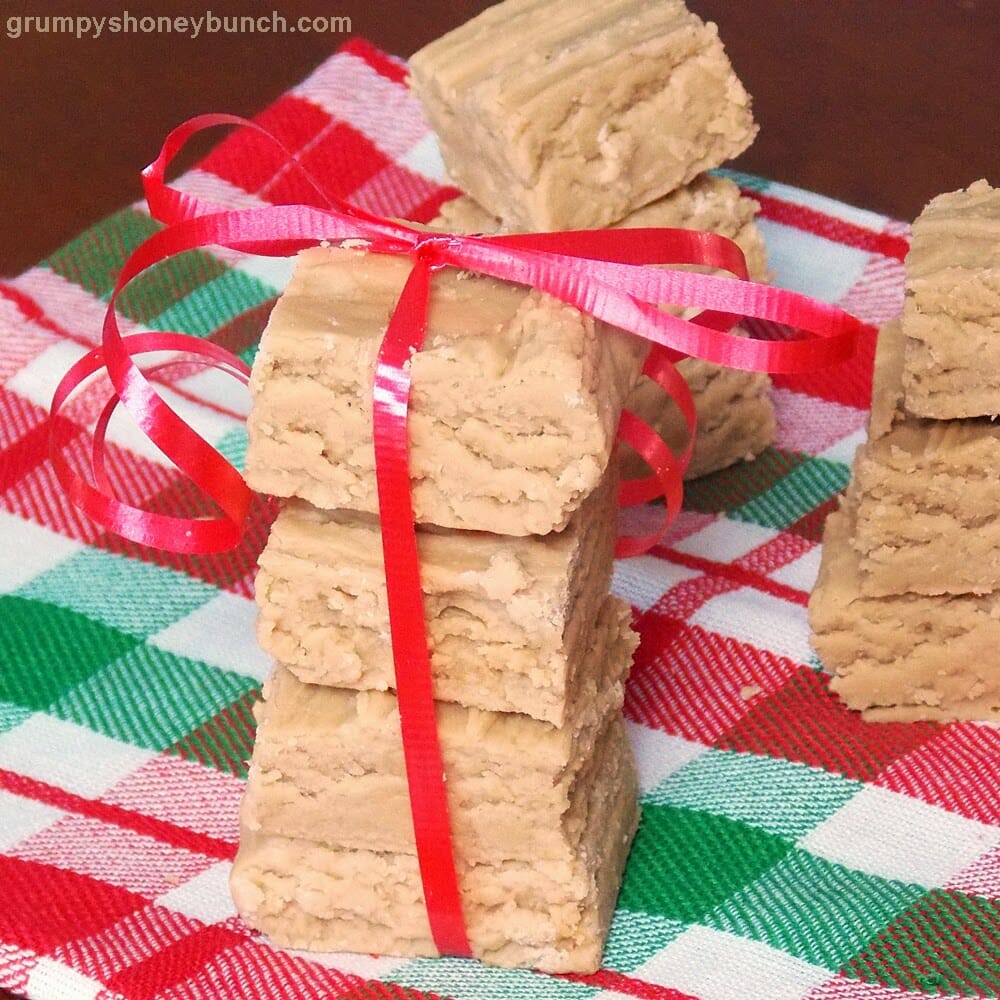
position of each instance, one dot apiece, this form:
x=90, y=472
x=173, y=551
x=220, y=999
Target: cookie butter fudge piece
x=929, y=493
x=564, y=114
x=710, y=204
x=734, y=409
x=514, y=809
x=951, y=314
x=515, y=402
x=508, y=619
x=550, y=914
x=907, y=656
x=328, y=762
x=735, y=414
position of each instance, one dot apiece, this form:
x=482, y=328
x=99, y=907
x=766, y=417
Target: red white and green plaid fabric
x=788, y=850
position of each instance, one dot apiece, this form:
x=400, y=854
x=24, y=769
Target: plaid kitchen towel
x=788, y=850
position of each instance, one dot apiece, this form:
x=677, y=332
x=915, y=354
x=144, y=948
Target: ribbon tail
x=407, y=621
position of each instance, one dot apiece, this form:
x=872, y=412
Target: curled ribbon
x=599, y=272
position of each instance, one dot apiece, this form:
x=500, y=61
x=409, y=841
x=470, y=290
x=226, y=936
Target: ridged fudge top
x=948, y=446
x=515, y=51
x=710, y=204
x=348, y=295
x=954, y=261
x=494, y=567
x=555, y=77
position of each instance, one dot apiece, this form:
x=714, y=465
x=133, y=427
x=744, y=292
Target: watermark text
x=187, y=26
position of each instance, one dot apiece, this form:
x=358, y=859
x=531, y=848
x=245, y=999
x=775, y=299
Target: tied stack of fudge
x=515, y=402
x=906, y=610
x=514, y=409
x=610, y=116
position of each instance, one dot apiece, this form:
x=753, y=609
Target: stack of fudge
x=515, y=402
x=906, y=610
x=514, y=409
x=609, y=117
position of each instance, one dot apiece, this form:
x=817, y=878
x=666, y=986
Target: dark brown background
x=882, y=103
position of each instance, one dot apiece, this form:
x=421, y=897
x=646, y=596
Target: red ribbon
x=599, y=272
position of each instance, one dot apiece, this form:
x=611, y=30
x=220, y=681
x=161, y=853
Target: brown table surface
x=881, y=103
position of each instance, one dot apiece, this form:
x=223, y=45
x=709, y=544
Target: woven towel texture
x=788, y=850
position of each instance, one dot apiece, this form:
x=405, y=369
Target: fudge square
x=328, y=763
x=710, y=204
x=951, y=313
x=735, y=415
x=903, y=657
x=928, y=494
x=515, y=401
x=568, y=114
x=508, y=619
x=547, y=914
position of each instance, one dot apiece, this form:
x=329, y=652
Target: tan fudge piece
x=515, y=402
x=521, y=810
x=734, y=409
x=735, y=415
x=549, y=914
x=565, y=114
x=951, y=314
x=904, y=657
x=508, y=619
x=710, y=204
x=929, y=494
x=328, y=763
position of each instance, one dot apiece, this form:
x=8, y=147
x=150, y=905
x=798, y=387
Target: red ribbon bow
x=599, y=272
